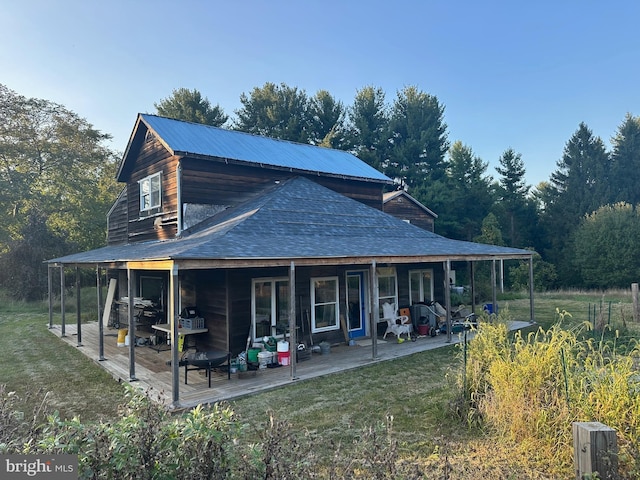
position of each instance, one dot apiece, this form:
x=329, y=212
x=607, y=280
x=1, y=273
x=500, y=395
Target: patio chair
x=396, y=324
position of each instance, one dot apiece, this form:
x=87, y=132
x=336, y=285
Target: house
x=263, y=237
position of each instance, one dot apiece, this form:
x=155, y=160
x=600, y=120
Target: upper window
x=150, y=192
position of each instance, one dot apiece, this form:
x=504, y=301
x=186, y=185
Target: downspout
x=179, y=197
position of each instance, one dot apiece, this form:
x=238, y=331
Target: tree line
x=57, y=179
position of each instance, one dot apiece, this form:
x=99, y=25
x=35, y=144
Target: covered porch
x=154, y=375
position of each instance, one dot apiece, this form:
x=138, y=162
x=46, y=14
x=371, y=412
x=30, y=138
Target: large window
x=324, y=300
x=421, y=286
x=150, y=192
x=270, y=307
x=387, y=288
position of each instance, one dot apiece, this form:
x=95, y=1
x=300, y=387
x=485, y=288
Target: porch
x=153, y=372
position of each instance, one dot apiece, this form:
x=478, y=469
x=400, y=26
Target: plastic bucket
x=264, y=358
x=325, y=348
x=423, y=329
x=122, y=334
x=284, y=358
x=283, y=346
x=252, y=355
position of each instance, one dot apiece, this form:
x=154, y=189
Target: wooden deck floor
x=153, y=374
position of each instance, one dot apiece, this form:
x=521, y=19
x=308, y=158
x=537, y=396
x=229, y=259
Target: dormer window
x=150, y=192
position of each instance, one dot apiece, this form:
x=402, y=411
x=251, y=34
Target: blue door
x=357, y=304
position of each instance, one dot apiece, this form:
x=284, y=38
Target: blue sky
x=509, y=73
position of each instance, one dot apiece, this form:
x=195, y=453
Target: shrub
x=530, y=389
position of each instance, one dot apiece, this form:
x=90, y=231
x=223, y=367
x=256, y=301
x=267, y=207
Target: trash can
x=489, y=308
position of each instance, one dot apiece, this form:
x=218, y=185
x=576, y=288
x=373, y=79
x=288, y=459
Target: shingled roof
x=296, y=220
x=218, y=144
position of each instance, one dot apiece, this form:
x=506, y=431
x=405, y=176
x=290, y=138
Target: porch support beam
x=174, y=312
x=100, y=320
x=132, y=325
x=473, y=286
x=78, y=306
x=293, y=340
x=531, y=312
x=375, y=311
x=494, y=297
x=447, y=297
x=50, y=287
x=62, y=302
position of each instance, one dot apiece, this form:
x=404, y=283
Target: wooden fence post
x=634, y=296
x=595, y=449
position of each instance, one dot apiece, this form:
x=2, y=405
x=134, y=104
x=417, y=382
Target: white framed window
x=387, y=288
x=420, y=286
x=150, y=192
x=324, y=302
x=270, y=307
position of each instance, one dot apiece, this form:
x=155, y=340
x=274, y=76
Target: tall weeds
x=529, y=390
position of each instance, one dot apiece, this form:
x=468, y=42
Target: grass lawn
x=418, y=391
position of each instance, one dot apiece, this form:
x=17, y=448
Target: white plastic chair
x=390, y=315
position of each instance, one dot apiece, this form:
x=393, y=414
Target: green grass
x=33, y=358
x=418, y=391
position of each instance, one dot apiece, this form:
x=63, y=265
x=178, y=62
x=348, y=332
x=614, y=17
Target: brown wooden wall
x=218, y=183
x=117, y=225
x=405, y=209
x=153, y=158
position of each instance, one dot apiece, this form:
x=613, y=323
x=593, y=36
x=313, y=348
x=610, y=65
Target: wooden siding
x=153, y=158
x=403, y=208
x=117, y=225
x=212, y=304
x=218, y=183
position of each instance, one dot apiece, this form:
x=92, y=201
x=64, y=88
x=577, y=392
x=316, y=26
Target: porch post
x=375, y=311
x=532, y=314
x=78, y=303
x=447, y=297
x=293, y=340
x=50, y=286
x=132, y=325
x=174, y=312
x=502, y=275
x=100, y=321
x=62, y=301
x=473, y=286
x=494, y=298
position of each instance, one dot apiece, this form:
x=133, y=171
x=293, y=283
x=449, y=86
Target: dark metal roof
x=297, y=219
x=185, y=138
